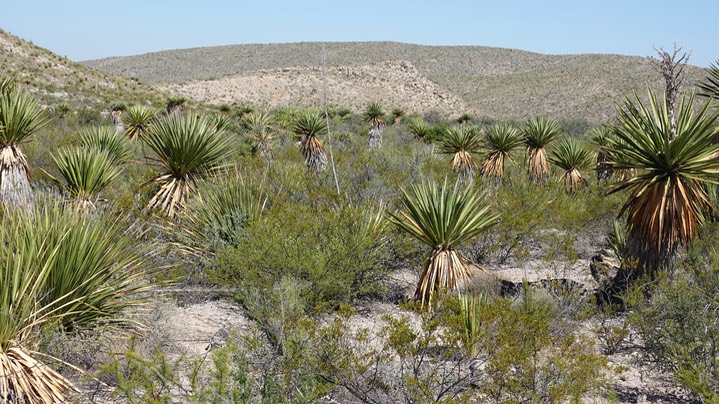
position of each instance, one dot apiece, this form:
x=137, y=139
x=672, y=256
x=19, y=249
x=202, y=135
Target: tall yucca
x=571, y=156
x=667, y=199
x=20, y=118
x=374, y=114
x=538, y=133
x=60, y=269
x=443, y=217
x=106, y=138
x=137, y=120
x=260, y=132
x=418, y=127
x=500, y=141
x=309, y=125
x=188, y=148
x=86, y=171
x=462, y=142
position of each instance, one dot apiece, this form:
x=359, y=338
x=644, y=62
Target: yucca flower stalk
x=571, y=156
x=86, y=171
x=374, y=114
x=20, y=118
x=61, y=269
x=137, y=120
x=667, y=197
x=500, y=141
x=443, y=217
x=462, y=142
x=309, y=125
x=418, y=127
x=538, y=133
x=260, y=131
x=106, y=138
x=187, y=149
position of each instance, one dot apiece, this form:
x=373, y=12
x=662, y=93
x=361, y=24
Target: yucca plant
x=137, y=120
x=470, y=305
x=309, y=125
x=187, y=149
x=538, y=133
x=374, y=114
x=106, y=138
x=600, y=139
x=667, y=197
x=227, y=205
x=260, y=132
x=85, y=171
x=20, y=118
x=284, y=119
x=709, y=87
x=221, y=122
x=418, y=127
x=571, y=156
x=61, y=269
x=7, y=84
x=443, y=217
x=462, y=142
x=500, y=141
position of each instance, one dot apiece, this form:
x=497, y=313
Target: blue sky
x=84, y=30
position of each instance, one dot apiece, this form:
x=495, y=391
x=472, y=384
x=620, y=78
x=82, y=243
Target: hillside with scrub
x=165, y=244
x=493, y=83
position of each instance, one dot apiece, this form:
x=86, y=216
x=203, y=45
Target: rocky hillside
x=56, y=80
x=393, y=83
x=488, y=82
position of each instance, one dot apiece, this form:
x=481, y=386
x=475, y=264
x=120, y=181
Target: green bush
x=338, y=253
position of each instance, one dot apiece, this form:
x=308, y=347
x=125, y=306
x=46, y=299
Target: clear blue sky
x=95, y=29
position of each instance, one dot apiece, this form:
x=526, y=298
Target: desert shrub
x=679, y=321
x=337, y=253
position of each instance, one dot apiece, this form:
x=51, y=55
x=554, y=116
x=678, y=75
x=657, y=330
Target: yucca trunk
x=603, y=170
x=40, y=383
x=375, y=136
x=464, y=164
x=172, y=194
x=445, y=269
x=539, y=167
x=15, y=189
x=573, y=180
x=493, y=165
x=314, y=153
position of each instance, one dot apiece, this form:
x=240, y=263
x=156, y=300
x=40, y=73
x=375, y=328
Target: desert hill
x=487, y=82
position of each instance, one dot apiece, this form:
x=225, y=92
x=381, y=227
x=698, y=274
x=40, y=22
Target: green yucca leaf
x=259, y=131
x=20, y=117
x=709, y=87
x=86, y=171
x=137, y=120
x=502, y=138
x=106, y=138
x=226, y=206
x=667, y=195
x=443, y=216
x=569, y=154
x=600, y=136
x=188, y=148
x=418, y=127
x=460, y=138
x=539, y=132
x=65, y=269
x=374, y=113
x=310, y=124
